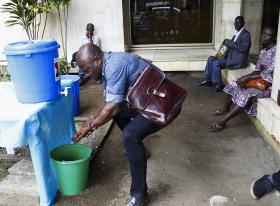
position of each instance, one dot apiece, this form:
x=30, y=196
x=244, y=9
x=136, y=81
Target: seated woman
x=245, y=99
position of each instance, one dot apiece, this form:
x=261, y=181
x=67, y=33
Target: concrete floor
x=188, y=165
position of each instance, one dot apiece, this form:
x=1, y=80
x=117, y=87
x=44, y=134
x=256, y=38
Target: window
x=171, y=22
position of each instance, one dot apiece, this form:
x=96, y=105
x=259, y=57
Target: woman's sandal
x=216, y=127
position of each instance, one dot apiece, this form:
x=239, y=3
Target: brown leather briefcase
x=155, y=97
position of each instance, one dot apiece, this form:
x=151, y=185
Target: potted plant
x=5, y=77
x=4, y=74
x=29, y=15
x=63, y=66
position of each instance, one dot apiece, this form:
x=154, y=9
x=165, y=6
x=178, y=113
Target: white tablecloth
x=43, y=126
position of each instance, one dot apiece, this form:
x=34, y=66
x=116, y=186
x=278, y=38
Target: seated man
x=90, y=36
x=245, y=97
x=265, y=184
x=238, y=50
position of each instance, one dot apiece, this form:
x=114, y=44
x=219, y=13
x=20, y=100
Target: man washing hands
x=85, y=131
x=119, y=70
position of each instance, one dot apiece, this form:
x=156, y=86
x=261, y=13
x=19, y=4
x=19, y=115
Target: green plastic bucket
x=71, y=163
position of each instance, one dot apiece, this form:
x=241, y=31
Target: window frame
x=170, y=46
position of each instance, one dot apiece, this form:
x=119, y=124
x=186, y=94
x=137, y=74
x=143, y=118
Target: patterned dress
x=240, y=95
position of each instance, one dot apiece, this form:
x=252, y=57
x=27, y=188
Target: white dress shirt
x=95, y=39
x=237, y=33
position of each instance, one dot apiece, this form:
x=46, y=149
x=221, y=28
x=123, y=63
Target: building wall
x=110, y=23
x=230, y=10
x=107, y=16
x=252, y=12
x=9, y=34
x=218, y=37
x=126, y=24
x=111, y=19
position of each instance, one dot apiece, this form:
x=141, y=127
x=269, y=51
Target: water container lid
x=30, y=46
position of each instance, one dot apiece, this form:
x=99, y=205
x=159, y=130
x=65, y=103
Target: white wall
x=107, y=16
x=231, y=9
x=225, y=13
x=9, y=34
x=218, y=37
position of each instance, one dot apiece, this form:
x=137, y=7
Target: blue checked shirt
x=119, y=70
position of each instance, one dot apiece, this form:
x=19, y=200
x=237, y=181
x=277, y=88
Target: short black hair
x=241, y=18
x=90, y=26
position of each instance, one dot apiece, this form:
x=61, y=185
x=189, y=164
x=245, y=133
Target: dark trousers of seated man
x=276, y=180
x=213, y=69
x=134, y=129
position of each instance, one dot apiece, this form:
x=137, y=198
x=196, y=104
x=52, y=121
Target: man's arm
x=95, y=113
x=244, y=45
x=105, y=112
x=109, y=110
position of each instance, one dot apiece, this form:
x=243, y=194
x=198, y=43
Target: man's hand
x=106, y=111
x=226, y=41
x=85, y=131
x=90, y=120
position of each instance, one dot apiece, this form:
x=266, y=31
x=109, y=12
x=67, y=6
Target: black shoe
x=261, y=186
x=205, y=83
x=218, y=88
x=141, y=202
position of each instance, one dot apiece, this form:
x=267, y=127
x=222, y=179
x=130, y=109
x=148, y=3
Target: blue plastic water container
x=34, y=69
x=73, y=82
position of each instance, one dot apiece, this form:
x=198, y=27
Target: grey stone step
x=18, y=190
x=23, y=167
x=10, y=157
x=80, y=119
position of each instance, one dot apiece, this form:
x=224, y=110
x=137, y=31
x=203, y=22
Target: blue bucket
x=73, y=82
x=34, y=70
